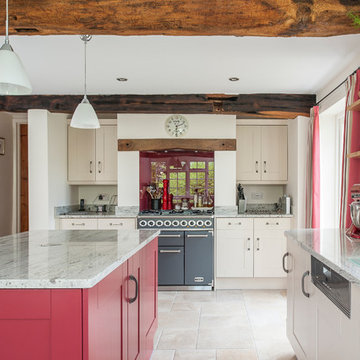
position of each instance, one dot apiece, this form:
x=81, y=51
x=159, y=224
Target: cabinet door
x=274, y=153
x=81, y=155
x=302, y=334
x=133, y=306
x=106, y=154
x=148, y=298
x=117, y=224
x=269, y=247
x=234, y=253
x=248, y=153
x=78, y=224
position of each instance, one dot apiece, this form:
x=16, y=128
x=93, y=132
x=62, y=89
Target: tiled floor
x=222, y=325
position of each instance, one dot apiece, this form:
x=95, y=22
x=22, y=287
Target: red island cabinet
x=115, y=319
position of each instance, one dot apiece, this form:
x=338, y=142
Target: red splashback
x=186, y=170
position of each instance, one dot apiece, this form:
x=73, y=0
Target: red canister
x=165, y=194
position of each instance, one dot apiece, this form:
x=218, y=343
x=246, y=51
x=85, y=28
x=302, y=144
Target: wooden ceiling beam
x=183, y=17
x=272, y=106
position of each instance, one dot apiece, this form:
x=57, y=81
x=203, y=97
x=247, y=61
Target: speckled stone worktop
x=66, y=258
x=232, y=211
x=333, y=248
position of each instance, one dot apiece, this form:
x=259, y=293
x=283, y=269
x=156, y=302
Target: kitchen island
x=323, y=294
x=78, y=294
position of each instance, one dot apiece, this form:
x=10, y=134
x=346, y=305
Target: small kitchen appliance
x=353, y=231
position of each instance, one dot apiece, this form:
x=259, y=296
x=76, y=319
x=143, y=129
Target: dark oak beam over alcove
x=183, y=17
x=246, y=106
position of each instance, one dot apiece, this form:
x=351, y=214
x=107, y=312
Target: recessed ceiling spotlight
x=121, y=79
x=233, y=78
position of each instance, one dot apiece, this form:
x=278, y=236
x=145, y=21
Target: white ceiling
x=184, y=65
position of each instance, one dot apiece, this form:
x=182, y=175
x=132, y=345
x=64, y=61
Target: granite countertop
x=333, y=248
x=66, y=258
x=72, y=212
x=232, y=211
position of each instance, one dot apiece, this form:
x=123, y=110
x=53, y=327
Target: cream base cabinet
x=269, y=246
x=234, y=248
x=97, y=224
x=301, y=316
x=92, y=155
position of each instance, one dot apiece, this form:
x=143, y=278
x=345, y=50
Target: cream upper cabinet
x=261, y=154
x=92, y=155
x=274, y=153
x=106, y=154
x=248, y=152
x=81, y=155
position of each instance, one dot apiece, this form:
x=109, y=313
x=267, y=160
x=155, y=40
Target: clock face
x=176, y=125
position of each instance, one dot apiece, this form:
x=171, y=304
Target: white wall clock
x=176, y=125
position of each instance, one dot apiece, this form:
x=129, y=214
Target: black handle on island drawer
x=133, y=278
x=283, y=262
x=305, y=274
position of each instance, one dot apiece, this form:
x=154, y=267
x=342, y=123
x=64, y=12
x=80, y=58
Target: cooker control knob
x=167, y=222
x=199, y=223
x=159, y=223
x=175, y=223
x=183, y=223
x=192, y=223
x=208, y=223
x=151, y=223
x=142, y=223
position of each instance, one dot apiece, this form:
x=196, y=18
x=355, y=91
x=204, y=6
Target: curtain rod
x=342, y=83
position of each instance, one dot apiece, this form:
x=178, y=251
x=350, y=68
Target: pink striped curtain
x=350, y=167
x=313, y=171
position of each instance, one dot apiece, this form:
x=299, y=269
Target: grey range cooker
x=186, y=247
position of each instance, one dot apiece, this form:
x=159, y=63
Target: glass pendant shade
x=13, y=78
x=85, y=116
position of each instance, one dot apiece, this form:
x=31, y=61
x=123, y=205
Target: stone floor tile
x=195, y=355
x=164, y=305
x=186, y=306
x=274, y=350
x=173, y=339
x=223, y=308
x=226, y=338
x=167, y=295
x=163, y=355
x=236, y=354
x=195, y=296
x=179, y=319
x=224, y=321
x=229, y=295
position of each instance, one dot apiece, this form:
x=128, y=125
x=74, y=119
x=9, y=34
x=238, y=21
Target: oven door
x=199, y=258
x=171, y=265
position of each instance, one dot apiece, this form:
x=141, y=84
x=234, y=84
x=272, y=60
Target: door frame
x=18, y=119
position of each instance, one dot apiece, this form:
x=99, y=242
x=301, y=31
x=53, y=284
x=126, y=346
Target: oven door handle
x=197, y=236
x=170, y=251
x=170, y=236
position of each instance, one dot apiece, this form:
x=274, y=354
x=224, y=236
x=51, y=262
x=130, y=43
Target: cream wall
x=141, y=126
x=47, y=143
x=6, y=176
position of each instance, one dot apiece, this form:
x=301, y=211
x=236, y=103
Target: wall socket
x=257, y=195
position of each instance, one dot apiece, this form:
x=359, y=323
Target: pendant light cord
x=85, y=88
x=7, y=23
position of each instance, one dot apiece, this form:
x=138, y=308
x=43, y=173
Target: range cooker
x=186, y=248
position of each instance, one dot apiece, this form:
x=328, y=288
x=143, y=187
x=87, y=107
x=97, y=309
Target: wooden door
x=234, y=253
x=106, y=154
x=81, y=155
x=24, y=179
x=133, y=307
x=274, y=153
x=248, y=153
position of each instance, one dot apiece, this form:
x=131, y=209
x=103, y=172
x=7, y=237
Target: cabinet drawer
x=116, y=223
x=78, y=224
x=272, y=224
x=234, y=223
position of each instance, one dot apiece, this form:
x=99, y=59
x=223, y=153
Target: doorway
x=24, y=179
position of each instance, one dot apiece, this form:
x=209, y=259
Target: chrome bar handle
x=78, y=224
x=264, y=166
x=256, y=166
x=99, y=167
x=305, y=274
x=249, y=244
x=267, y=223
x=171, y=236
x=91, y=167
x=116, y=224
x=197, y=236
x=283, y=262
x=258, y=244
x=170, y=251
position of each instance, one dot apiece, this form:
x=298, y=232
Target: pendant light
x=13, y=77
x=84, y=116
